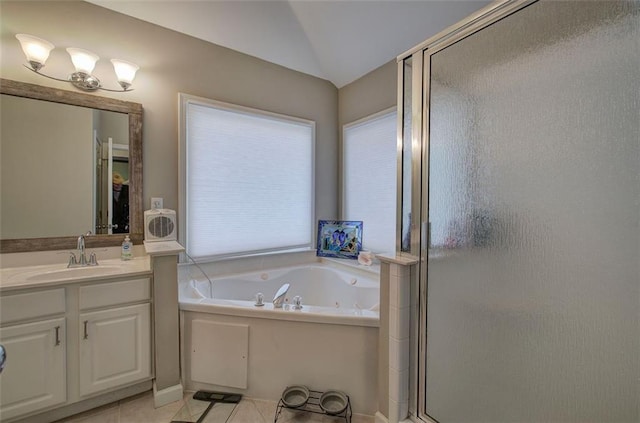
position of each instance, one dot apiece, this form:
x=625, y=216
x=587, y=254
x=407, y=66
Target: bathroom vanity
x=74, y=336
x=78, y=338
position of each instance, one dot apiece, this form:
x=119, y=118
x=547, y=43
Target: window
x=370, y=178
x=247, y=180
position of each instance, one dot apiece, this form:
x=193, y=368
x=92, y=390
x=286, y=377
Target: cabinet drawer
x=113, y=293
x=31, y=305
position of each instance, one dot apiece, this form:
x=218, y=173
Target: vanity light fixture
x=37, y=51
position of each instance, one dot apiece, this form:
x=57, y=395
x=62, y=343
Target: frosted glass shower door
x=533, y=270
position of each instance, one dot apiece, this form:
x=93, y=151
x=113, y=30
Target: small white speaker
x=160, y=225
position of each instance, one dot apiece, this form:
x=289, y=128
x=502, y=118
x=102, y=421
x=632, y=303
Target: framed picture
x=339, y=238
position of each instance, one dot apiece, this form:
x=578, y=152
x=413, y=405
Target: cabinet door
x=115, y=348
x=34, y=376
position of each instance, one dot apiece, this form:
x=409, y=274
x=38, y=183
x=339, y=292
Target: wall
x=171, y=63
x=372, y=93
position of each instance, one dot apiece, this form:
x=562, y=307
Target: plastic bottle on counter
x=127, y=249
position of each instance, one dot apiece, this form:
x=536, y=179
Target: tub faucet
x=278, y=300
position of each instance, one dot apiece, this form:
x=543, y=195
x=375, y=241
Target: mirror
x=79, y=168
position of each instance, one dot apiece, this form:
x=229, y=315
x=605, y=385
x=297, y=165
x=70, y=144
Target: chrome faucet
x=81, y=260
x=278, y=300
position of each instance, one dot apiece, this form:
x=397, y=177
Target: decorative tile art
x=339, y=238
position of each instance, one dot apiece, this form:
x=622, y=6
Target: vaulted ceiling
x=335, y=40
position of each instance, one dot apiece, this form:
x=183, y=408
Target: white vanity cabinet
x=115, y=340
x=33, y=334
x=74, y=343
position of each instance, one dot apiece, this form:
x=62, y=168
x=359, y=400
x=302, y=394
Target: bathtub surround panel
x=383, y=342
x=219, y=353
x=283, y=353
x=396, y=277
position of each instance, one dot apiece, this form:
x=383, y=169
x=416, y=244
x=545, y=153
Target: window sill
x=353, y=264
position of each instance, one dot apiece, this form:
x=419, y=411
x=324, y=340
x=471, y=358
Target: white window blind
x=249, y=181
x=370, y=179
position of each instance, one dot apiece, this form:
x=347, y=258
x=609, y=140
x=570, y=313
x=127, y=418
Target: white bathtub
x=329, y=294
x=229, y=344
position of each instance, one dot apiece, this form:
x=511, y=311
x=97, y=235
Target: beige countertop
x=23, y=277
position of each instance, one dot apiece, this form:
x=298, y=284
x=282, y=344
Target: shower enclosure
x=525, y=139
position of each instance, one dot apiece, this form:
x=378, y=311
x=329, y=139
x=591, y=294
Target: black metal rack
x=313, y=406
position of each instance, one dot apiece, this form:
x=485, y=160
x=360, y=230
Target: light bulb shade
x=83, y=60
x=125, y=71
x=36, y=49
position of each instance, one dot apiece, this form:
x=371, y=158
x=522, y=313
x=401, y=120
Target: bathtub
x=329, y=295
x=230, y=344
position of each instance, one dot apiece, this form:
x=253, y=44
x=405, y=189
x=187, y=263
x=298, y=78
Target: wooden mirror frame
x=134, y=110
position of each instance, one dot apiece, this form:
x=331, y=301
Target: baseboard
x=380, y=418
x=166, y=395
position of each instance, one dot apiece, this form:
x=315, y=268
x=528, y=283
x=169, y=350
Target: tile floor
x=139, y=409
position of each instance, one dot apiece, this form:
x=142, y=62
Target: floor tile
x=219, y=413
x=191, y=409
x=361, y=418
x=247, y=412
x=105, y=414
x=140, y=409
x=267, y=409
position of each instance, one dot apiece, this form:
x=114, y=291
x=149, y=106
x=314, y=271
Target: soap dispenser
x=127, y=249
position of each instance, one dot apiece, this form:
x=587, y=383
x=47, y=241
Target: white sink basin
x=71, y=273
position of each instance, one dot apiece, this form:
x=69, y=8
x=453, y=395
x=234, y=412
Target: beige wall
x=171, y=63
x=370, y=94
x=112, y=125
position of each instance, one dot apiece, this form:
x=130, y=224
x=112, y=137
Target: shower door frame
x=420, y=96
